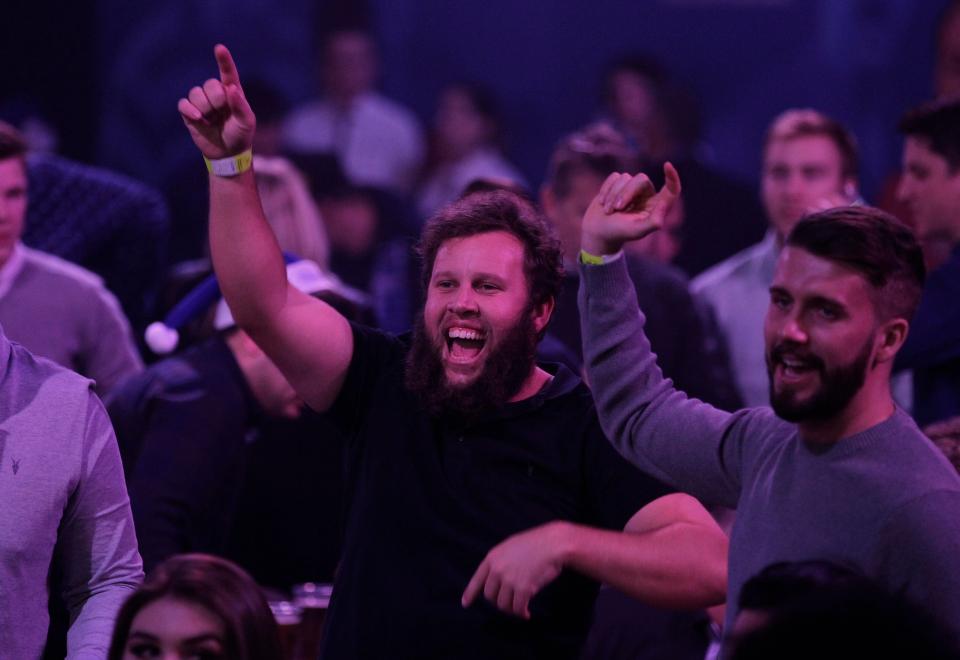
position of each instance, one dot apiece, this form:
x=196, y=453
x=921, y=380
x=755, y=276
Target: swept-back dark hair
x=783, y=582
x=218, y=586
x=937, y=123
x=873, y=243
x=499, y=210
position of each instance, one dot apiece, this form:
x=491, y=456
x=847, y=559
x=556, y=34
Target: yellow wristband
x=231, y=166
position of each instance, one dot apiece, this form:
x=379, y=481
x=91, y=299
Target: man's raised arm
x=680, y=441
x=310, y=342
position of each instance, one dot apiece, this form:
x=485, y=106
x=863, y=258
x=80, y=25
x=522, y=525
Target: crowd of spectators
x=279, y=406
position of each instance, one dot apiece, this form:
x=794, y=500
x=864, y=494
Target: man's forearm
x=682, y=565
x=680, y=441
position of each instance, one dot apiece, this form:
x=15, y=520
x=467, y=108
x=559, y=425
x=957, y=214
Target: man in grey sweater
x=836, y=470
x=64, y=510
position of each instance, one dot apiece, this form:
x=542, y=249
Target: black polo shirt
x=429, y=498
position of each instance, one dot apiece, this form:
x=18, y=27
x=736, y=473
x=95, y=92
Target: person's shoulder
x=735, y=267
x=61, y=275
x=32, y=376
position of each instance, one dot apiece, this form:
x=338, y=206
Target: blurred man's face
x=13, y=204
x=350, y=65
x=931, y=191
x=566, y=212
x=632, y=99
x=801, y=174
x=459, y=126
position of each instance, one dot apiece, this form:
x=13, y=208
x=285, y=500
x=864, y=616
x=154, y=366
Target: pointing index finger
x=475, y=585
x=228, y=70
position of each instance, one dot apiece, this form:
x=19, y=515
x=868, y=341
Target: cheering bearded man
x=472, y=470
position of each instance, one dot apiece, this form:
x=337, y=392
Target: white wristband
x=231, y=166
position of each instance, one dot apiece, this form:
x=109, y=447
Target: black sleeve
x=375, y=355
x=615, y=489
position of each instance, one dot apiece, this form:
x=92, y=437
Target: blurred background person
x=377, y=141
x=687, y=344
x=466, y=145
x=930, y=187
x=56, y=309
x=196, y=606
x=371, y=250
x=817, y=609
x=291, y=210
x=202, y=431
x=662, y=121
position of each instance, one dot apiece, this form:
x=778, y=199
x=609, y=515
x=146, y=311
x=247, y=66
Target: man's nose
x=904, y=189
x=465, y=301
x=792, y=330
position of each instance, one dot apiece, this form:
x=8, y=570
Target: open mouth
x=464, y=344
x=792, y=368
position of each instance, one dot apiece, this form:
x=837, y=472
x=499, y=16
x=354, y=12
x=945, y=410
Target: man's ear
x=890, y=338
x=541, y=314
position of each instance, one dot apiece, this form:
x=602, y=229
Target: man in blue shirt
x=931, y=187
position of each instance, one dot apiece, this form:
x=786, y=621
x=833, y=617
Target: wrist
x=230, y=166
x=598, y=246
x=564, y=541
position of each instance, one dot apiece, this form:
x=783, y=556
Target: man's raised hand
x=217, y=114
x=627, y=208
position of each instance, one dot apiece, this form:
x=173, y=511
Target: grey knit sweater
x=884, y=501
x=63, y=509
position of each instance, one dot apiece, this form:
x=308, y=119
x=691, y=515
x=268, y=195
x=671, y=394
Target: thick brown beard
x=507, y=366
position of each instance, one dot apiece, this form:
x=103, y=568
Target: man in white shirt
x=378, y=142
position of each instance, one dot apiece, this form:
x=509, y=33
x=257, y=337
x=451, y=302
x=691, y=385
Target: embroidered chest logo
x=15, y=465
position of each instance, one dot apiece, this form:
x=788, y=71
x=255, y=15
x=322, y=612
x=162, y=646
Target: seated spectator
x=662, y=122
x=55, y=309
x=466, y=145
x=930, y=186
x=196, y=606
x=105, y=222
x=687, y=345
x=377, y=141
x=186, y=426
x=816, y=609
x=291, y=210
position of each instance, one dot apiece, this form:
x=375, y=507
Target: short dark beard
x=506, y=368
x=837, y=387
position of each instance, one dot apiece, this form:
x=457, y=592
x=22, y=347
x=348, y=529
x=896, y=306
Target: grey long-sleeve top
x=884, y=501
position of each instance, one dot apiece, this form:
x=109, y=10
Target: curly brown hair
x=499, y=210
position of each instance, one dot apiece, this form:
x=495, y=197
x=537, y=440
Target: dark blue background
x=110, y=72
